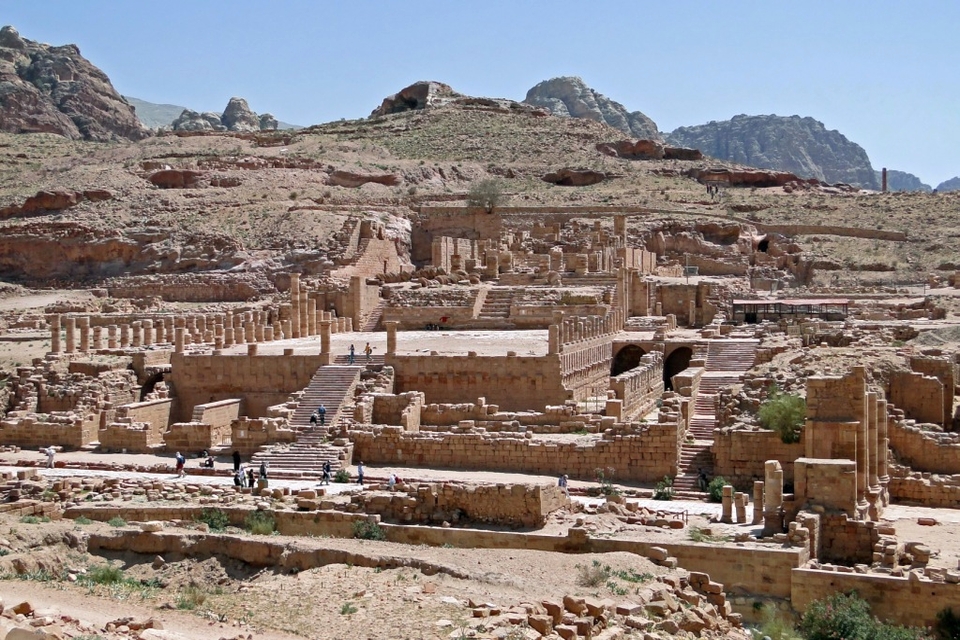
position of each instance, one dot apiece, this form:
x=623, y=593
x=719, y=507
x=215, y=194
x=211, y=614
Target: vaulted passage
x=674, y=364
x=626, y=359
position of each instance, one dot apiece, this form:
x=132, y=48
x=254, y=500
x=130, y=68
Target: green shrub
x=190, y=598
x=715, y=489
x=342, y=475
x=83, y=520
x=367, y=530
x=783, y=413
x=593, y=575
x=664, y=489
x=117, y=521
x=34, y=519
x=260, y=523
x=347, y=608
x=948, y=624
x=848, y=616
x=104, y=574
x=486, y=194
x=216, y=519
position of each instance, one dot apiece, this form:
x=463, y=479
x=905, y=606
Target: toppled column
x=727, y=504
x=772, y=498
x=757, y=501
x=84, y=327
x=54, y=321
x=391, y=336
x=70, y=326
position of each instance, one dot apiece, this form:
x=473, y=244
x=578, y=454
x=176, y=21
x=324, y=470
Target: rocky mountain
x=798, y=145
x=903, y=181
x=570, y=96
x=953, y=184
x=56, y=90
x=238, y=116
x=162, y=115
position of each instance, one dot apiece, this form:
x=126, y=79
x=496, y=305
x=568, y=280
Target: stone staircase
x=726, y=362
x=372, y=321
x=497, y=304
x=331, y=386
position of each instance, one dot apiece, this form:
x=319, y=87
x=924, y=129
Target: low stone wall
x=156, y=413
x=247, y=435
x=902, y=600
x=132, y=437
x=219, y=415
x=639, y=388
x=553, y=419
x=924, y=450
x=403, y=410
x=920, y=397
x=188, y=437
x=739, y=455
x=930, y=491
x=636, y=452
x=36, y=430
x=504, y=505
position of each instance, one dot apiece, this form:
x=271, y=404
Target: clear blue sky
x=883, y=73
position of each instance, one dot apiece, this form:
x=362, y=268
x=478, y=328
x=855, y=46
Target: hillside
x=799, y=145
x=953, y=184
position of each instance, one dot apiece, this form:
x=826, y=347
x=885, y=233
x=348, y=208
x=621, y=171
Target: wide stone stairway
x=372, y=321
x=331, y=386
x=726, y=362
x=497, y=303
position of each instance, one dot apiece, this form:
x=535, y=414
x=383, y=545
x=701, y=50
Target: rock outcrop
x=802, y=146
x=646, y=150
x=53, y=201
x=419, y=95
x=238, y=116
x=568, y=177
x=56, y=90
x=571, y=97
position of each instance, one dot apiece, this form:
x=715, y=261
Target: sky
x=880, y=72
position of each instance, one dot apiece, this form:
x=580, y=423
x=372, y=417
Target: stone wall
x=190, y=437
x=512, y=382
x=639, y=389
x=247, y=435
x=130, y=436
x=635, y=452
x=846, y=541
x=908, y=600
x=219, y=415
x=554, y=419
x=929, y=490
x=928, y=451
x=261, y=381
x=403, y=410
x=945, y=371
x=739, y=455
x=830, y=484
x=504, y=505
x=156, y=413
x=920, y=397
x=37, y=430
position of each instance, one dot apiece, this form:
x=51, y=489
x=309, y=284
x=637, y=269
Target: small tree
x=783, y=413
x=487, y=194
x=715, y=489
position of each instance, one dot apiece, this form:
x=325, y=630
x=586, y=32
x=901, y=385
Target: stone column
x=97, y=338
x=740, y=504
x=112, y=336
x=70, y=325
x=391, y=336
x=294, y=306
x=228, y=336
x=252, y=349
x=147, y=326
x=124, y=336
x=268, y=334
x=554, y=340
x=84, y=327
x=883, y=442
x=326, y=357
x=248, y=328
x=873, y=479
x=54, y=320
x=180, y=338
x=772, y=498
x=757, y=501
x=304, y=323
x=727, y=504
x=311, y=316
x=238, y=335
x=137, y=337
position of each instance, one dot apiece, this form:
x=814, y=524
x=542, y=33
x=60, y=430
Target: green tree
x=487, y=194
x=783, y=413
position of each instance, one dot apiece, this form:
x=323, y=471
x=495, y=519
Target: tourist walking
x=360, y=473
x=51, y=452
x=325, y=479
x=562, y=483
x=313, y=418
x=263, y=470
x=236, y=461
x=352, y=352
x=250, y=477
x=322, y=412
x=238, y=478
x=180, y=462
x=369, y=351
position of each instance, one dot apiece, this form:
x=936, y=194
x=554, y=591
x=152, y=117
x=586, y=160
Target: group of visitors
x=352, y=351
x=319, y=415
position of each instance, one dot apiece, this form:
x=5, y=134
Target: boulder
x=568, y=177
x=239, y=117
x=177, y=178
x=633, y=149
x=190, y=120
x=268, y=122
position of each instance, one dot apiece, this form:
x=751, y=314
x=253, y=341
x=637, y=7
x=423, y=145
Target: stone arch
x=677, y=361
x=763, y=245
x=627, y=358
x=152, y=379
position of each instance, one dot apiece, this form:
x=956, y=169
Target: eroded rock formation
x=419, y=95
x=238, y=116
x=56, y=90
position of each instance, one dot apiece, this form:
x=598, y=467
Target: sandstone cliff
x=56, y=90
x=797, y=145
x=570, y=96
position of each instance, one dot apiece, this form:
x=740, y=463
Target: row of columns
x=567, y=331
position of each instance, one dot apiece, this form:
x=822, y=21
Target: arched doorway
x=626, y=359
x=677, y=361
